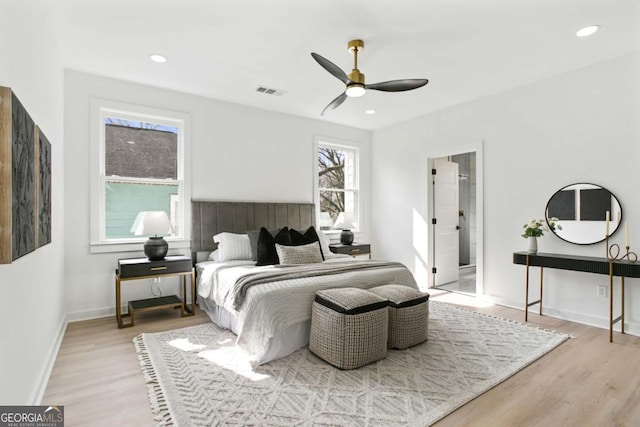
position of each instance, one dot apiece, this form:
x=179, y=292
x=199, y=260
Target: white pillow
x=213, y=256
x=324, y=244
x=233, y=246
x=303, y=254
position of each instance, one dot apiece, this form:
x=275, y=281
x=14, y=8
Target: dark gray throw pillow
x=253, y=241
x=267, y=254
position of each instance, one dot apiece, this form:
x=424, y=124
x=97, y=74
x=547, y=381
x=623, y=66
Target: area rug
x=197, y=377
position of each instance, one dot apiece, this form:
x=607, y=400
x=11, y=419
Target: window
x=337, y=183
x=140, y=167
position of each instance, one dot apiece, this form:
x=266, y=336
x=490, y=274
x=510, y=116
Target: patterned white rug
x=196, y=377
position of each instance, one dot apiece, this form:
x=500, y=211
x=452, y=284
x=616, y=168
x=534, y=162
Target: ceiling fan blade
x=331, y=67
x=398, y=85
x=335, y=103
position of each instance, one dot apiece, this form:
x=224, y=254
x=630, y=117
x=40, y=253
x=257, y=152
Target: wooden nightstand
x=142, y=268
x=354, y=249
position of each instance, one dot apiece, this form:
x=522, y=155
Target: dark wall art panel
x=23, y=180
x=594, y=204
x=6, y=247
x=44, y=189
x=562, y=205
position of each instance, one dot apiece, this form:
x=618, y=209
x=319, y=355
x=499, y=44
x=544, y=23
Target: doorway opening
x=455, y=232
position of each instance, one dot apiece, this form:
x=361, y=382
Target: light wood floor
x=97, y=376
x=584, y=382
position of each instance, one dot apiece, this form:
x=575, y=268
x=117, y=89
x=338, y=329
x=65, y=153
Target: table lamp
x=345, y=222
x=154, y=223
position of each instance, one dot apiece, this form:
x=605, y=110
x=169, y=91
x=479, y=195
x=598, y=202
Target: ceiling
x=225, y=50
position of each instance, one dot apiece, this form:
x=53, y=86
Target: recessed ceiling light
x=158, y=58
x=370, y=112
x=587, y=31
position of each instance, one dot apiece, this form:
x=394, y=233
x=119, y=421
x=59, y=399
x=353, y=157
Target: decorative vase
x=156, y=248
x=533, y=244
x=346, y=237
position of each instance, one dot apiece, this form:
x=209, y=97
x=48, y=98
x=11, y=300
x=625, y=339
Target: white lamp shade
x=345, y=221
x=152, y=223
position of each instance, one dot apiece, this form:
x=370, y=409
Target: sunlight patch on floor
x=235, y=360
x=185, y=345
x=457, y=299
x=228, y=356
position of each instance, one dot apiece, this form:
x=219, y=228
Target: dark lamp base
x=156, y=248
x=346, y=237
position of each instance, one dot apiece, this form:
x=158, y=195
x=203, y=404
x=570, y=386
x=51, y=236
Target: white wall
x=238, y=153
x=583, y=126
x=32, y=287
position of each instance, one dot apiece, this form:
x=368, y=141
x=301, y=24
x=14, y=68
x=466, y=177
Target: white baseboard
x=598, y=322
x=38, y=392
x=92, y=314
x=98, y=313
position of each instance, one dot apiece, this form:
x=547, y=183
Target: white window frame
x=347, y=146
x=101, y=109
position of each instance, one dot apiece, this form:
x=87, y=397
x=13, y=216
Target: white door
x=445, y=211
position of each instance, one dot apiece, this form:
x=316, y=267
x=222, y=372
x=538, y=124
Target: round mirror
x=581, y=210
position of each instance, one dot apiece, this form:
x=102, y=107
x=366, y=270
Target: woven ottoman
x=349, y=327
x=408, y=314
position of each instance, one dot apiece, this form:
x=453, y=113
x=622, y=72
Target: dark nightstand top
x=144, y=260
x=353, y=249
x=137, y=267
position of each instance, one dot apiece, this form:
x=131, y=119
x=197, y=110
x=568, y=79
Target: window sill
x=334, y=232
x=137, y=246
x=334, y=235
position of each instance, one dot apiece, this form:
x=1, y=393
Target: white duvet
x=271, y=309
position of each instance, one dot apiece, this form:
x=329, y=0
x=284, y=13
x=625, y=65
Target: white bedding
x=274, y=318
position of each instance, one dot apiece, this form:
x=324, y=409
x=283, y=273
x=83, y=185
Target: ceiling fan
x=354, y=81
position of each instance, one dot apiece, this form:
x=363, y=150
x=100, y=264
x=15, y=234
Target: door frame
x=478, y=148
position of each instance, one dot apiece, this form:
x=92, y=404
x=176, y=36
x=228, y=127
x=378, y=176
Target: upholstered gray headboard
x=210, y=218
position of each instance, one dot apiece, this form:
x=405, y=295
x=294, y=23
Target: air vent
x=270, y=91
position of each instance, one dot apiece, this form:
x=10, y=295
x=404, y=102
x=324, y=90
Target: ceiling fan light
x=355, y=90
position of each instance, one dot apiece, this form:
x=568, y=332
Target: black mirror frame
x=617, y=224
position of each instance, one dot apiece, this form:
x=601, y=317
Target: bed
x=268, y=307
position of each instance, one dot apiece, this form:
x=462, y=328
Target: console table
x=595, y=265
